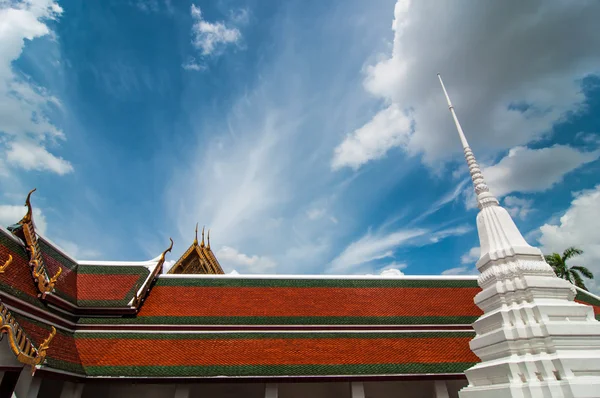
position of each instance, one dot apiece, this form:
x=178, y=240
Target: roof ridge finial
x=208, y=239
x=202, y=243
x=484, y=197
x=196, y=236
x=27, y=217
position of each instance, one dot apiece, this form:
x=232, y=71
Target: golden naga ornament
x=45, y=284
x=6, y=264
x=20, y=344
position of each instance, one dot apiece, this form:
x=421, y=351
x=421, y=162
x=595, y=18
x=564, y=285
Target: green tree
x=572, y=274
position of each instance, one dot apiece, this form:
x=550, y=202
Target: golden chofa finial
x=27, y=217
x=6, y=264
x=162, y=256
x=202, y=243
x=196, y=238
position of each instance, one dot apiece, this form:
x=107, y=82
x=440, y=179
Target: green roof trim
x=358, y=283
x=64, y=365
x=9, y=289
x=277, y=335
x=51, y=251
x=278, y=370
x=587, y=298
x=283, y=320
x=13, y=246
x=113, y=270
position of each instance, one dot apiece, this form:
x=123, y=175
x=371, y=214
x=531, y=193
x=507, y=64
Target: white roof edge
x=57, y=248
x=10, y=235
x=587, y=292
x=146, y=263
x=363, y=277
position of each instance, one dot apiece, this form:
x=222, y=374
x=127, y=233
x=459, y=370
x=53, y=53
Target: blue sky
x=310, y=136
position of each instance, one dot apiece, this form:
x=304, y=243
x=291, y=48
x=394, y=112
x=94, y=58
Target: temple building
x=90, y=329
x=197, y=259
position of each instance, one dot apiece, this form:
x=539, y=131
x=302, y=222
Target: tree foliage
x=573, y=274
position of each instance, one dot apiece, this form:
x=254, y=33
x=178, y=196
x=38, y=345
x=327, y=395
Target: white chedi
x=533, y=340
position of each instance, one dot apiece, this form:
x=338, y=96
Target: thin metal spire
x=196, y=238
x=484, y=197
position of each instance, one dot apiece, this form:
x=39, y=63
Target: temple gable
x=198, y=259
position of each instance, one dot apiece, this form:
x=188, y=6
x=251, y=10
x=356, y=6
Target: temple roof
x=41, y=269
x=197, y=259
x=124, y=319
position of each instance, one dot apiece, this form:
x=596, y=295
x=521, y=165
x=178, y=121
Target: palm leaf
x=571, y=252
x=578, y=281
x=584, y=271
x=555, y=261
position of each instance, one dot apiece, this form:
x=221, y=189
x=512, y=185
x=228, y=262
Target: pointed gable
x=198, y=259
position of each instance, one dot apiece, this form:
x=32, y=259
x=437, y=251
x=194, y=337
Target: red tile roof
x=181, y=302
x=258, y=354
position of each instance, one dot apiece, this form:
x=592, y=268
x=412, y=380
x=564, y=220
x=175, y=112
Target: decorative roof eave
x=20, y=344
x=24, y=233
x=142, y=293
x=44, y=282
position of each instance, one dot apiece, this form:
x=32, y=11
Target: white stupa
x=533, y=339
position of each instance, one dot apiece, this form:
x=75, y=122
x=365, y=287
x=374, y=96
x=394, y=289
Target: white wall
x=374, y=389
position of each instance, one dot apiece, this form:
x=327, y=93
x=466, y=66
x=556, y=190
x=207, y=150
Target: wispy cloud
x=260, y=176
x=380, y=245
x=27, y=133
x=372, y=247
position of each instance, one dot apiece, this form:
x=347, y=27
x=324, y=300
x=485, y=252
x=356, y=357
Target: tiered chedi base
x=533, y=339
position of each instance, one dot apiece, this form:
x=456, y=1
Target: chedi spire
x=533, y=339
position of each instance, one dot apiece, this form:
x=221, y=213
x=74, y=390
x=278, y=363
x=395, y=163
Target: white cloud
x=588, y=138
x=471, y=256
x=463, y=270
x=508, y=88
x=437, y=236
x=578, y=227
x=192, y=64
x=229, y=257
x=377, y=246
x=209, y=37
x=518, y=207
x=32, y=156
x=388, y=129
x=10, y=214
x=372, y=247
x=24, y=106
x=168, y=265
x=534, y=170
x=393, y=269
